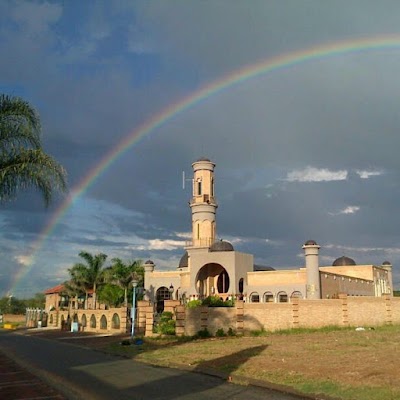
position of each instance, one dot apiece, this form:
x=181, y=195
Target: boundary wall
x=246, y=317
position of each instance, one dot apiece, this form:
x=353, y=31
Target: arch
x=93, y=321
x=254, y=297
x=212, y=279
x=75, y=318
x=296, y=295
x=241, y=285
x=282, y=297
x=103, y=322
x=83, y=320
x=162, y=294
x=115, y=321
x=62, y=321
x=268, y=297
x=51, y=319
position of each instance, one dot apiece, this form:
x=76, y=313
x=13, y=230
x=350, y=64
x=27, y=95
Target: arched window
x=51, y=318
x=282, y=297
x=93, y=321
x=103, y=322
x=296, y=295
x=268, y=297
x=161, y=295
x=115, y=323
x=223, y=282
x=254, y=297
x=83, y=320
x=199, y=188
x=241, y=283
x=75, y=318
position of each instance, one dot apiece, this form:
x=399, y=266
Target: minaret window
x=199, y=188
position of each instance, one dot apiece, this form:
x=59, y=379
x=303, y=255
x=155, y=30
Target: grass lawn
x=342, y=363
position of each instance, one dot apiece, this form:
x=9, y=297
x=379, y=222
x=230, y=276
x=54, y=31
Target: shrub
x=194, y=303
x=166, y=325
x=231, y=332
x=220, y=333
x=215, y=301
x=203, y=334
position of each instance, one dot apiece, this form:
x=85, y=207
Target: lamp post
x=171, y=292
x=133, y=309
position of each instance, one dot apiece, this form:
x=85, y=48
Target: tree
x=23, y=163
x=122, y=274
x=89, y=275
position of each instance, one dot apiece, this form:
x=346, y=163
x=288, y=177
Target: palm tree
x=23, y=163
x=122, y=274
x=91, y=274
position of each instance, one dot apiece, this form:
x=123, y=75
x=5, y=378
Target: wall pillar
x=239, y=317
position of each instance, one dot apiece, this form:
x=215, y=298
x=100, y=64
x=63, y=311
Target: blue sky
x=308, y=152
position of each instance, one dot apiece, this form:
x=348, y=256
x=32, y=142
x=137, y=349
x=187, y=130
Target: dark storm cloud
x=96, y=71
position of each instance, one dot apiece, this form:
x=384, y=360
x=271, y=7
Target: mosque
x=213, y=267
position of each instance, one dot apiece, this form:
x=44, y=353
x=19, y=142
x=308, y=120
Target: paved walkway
x=17, y=383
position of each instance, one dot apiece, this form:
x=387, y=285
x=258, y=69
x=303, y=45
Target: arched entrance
x=212, y=279
x=162, y=294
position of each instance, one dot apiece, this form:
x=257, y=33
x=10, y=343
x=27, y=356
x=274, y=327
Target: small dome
x=148, y=262
x=310, y=243
x=203, y=159
x=221, y=245
x=342, y=261
x=184, y=262
x=386, y=263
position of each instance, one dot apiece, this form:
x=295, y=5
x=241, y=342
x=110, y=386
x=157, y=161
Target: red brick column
x=239, y=317
x=180, y=320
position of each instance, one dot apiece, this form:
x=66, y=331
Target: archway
x=212, y=279
x=162, y=294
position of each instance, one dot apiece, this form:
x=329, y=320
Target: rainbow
x=290, y=59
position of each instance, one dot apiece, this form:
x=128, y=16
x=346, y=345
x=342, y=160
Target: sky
x=305, y=150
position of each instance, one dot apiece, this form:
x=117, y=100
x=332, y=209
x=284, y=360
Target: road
x=82, y=373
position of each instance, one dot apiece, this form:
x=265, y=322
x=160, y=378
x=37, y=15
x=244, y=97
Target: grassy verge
x=342, y=363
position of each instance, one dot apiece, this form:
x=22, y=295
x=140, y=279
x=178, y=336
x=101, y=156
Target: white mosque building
x=213, y=267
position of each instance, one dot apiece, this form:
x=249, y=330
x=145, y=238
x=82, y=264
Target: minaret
x=203, y=204
x=311, y=251
x=387, y=265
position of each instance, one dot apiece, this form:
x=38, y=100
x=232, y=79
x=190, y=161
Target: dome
x=148, y=262
x=203, y=159
x=221, y=245
x=310, y=243
x=342, y=261
x=387, y=263
x=184, y=262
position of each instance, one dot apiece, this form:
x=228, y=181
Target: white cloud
x=310, y=174
x=365, y=174
x=349, y=210
x=346, y=210
x=23, y=260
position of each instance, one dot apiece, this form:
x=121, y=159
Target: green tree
x=88, y=275
x=122, y=274
x=23, y=163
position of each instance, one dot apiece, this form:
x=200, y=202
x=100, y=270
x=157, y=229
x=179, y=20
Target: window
x=296, y=295
x=199, y=188
x=83, y=320
x=254, y=298
x=268, y=297
x=282, y=297
x=93, y=321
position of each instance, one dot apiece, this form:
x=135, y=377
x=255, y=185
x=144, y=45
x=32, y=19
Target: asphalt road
x=82, y=373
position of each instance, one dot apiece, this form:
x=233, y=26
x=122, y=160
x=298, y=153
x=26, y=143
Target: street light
x=171, y=292
x=133, y=309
